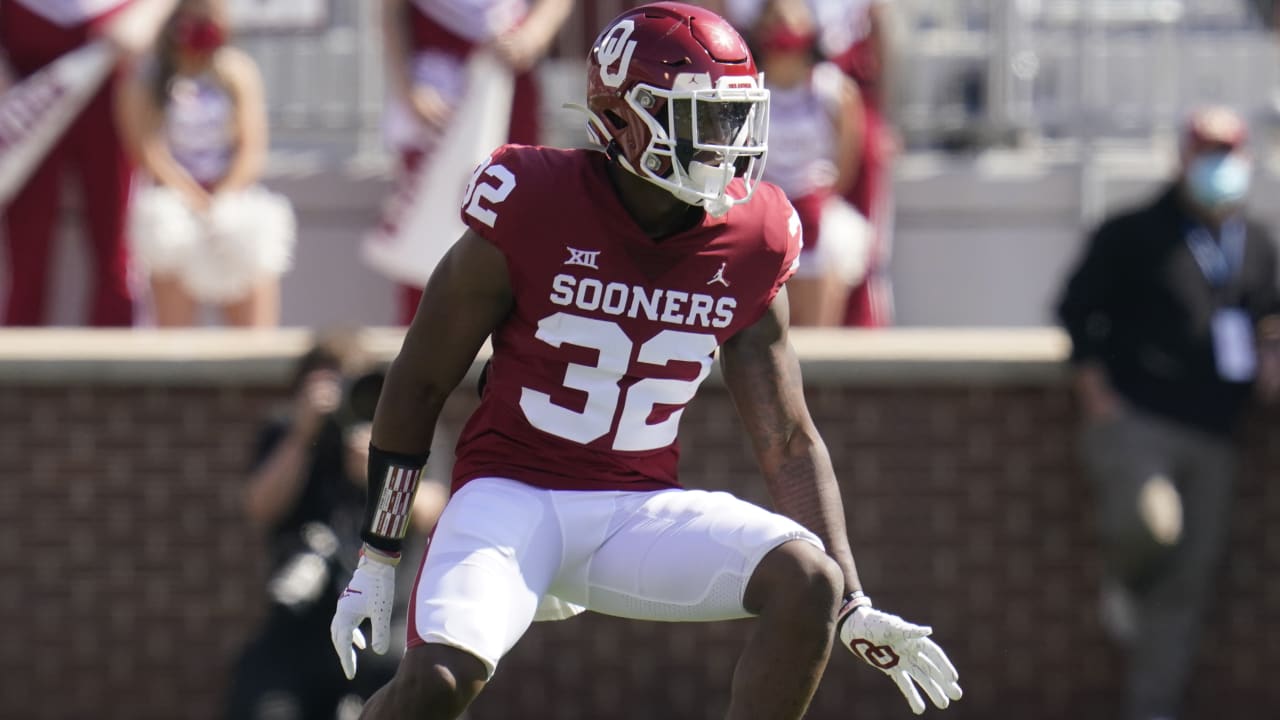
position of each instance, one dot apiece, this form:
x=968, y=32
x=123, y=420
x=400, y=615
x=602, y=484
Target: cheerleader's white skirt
x=245, y=237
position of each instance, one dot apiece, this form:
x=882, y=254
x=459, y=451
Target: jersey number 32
x=492, y=183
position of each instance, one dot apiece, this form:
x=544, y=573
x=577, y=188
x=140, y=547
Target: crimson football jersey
x=611, y=332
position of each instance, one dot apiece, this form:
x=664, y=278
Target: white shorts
x=505, y=554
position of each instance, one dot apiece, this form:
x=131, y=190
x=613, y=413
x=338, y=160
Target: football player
x=608, y=280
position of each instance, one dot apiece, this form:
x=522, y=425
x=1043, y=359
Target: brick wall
x=130, y=579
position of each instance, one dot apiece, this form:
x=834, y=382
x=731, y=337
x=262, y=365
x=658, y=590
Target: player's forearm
x=408, y=409
x=466, y=298
x=803, y=487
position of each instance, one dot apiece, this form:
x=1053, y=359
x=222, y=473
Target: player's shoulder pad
x=516, y=157
x=498, y=188
x=779, y=219
x=780, y=222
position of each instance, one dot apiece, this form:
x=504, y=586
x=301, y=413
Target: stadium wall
x=131, y=579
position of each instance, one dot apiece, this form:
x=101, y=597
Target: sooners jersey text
x=671, y=307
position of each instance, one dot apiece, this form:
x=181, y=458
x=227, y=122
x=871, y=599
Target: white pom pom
x=250, y=235
x=163, y=231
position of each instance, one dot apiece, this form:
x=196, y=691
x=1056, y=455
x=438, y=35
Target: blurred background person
x=306, y=493
x=1165, y=312
x=202, y=228
x=34, y=33
x=815, y=132
x=427, y=44
x=860, y=40
x=855, y=35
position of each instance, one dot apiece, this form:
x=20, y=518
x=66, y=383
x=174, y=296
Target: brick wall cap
x=213, y=356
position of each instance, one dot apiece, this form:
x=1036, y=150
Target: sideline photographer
x=306, y=493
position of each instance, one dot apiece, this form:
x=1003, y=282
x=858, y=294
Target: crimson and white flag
x=37, y=111
x=408, y=249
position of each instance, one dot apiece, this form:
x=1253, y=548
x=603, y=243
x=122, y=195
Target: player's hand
x=902, y=651
x=369, y=595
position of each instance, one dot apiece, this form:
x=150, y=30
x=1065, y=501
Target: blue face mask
x=1218, y=180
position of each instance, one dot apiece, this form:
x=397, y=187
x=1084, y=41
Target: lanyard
x=1218, y=261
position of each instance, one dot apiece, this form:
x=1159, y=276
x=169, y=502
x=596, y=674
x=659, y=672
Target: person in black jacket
x=1172, y=315
x=306, y=493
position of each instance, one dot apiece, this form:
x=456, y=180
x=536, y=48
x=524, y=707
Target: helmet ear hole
x=615, y=120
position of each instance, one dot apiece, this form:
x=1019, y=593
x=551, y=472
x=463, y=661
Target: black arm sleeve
x=393, y=483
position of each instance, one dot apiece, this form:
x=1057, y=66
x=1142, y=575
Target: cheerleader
x=427, y=43
x=814, y=136
x=202, y=229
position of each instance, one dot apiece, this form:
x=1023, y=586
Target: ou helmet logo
x=616, y=47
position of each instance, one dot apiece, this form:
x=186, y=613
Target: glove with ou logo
x=901, y=650
x=370, y=594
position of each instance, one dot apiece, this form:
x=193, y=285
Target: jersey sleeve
x=498, y=204
x=785, y=239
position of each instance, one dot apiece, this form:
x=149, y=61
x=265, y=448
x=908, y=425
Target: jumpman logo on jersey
x=719, y=276
x=585, y=258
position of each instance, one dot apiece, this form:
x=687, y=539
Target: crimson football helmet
x=674, y=96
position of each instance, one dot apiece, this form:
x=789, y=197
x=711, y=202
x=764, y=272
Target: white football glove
x=370, y=594
x=902, y=651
